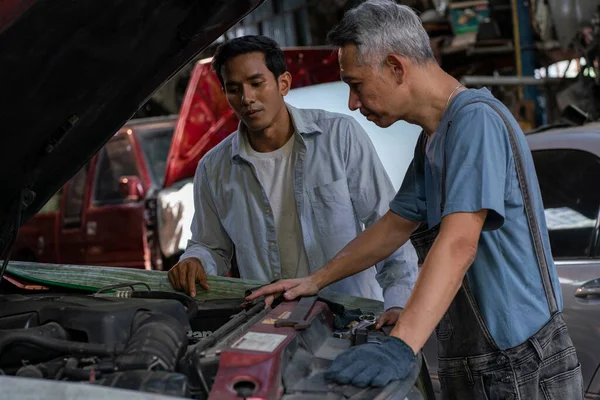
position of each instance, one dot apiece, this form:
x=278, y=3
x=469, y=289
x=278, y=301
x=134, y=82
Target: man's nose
x=353, y=101
x=247, y=96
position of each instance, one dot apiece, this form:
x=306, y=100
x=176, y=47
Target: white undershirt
x=275, y=173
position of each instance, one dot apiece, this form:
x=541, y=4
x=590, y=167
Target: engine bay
x=169, y=344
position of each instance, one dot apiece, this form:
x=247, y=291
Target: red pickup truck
x=121, y=209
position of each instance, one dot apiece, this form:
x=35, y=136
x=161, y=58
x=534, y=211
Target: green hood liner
x=92, y=278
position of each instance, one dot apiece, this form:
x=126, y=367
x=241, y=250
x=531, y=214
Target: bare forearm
x=437, y=284
x=376, y=243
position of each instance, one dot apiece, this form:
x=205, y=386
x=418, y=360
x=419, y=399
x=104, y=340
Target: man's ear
x=285, y=83
x=397, y=66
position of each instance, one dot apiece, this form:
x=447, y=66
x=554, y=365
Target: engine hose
x=72, y=371
x=8, y=338
x=187, y=301
x=158, y=341
x=80, y=374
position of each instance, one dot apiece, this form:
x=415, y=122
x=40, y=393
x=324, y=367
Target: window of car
x=115, y=160
x=571, y=199
x=75, y=198
x=53, y=204
x=155, y=144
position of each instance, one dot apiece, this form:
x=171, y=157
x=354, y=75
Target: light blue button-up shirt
x=340, y=187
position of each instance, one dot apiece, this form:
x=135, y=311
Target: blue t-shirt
x=480, y=174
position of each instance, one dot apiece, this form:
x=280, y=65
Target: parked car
x=567, y=162
x=130, y=205
x=106, y=214
x=109, y=213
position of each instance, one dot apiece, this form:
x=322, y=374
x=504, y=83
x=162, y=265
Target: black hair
x=274, y=57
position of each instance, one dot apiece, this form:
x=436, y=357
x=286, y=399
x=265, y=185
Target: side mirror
x=131, y=188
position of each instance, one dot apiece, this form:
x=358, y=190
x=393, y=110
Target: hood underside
x=73, y=72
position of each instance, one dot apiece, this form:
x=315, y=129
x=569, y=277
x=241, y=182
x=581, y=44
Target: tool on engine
x=298, y=317
x=358, y=332
x=366, y=320
x=361, y=336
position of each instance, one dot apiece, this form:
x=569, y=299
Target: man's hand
x=290, y=288
x=373, y=364
x=185, y=274
x=389, y=317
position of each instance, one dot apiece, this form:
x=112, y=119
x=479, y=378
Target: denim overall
x=471, y=366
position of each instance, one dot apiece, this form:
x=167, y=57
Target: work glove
x=373, y=364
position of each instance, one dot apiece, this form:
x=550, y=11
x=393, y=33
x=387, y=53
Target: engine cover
x=105, y=320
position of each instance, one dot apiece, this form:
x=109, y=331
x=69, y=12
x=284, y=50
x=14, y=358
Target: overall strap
x=532, y=219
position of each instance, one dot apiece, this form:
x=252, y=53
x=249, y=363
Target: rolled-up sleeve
x=371, y=191
x=209, y=243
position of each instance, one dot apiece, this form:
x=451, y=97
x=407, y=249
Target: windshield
x=156, y=144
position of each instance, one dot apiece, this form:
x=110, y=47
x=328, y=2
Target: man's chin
x=254, y=125
x=380, y=122
x=384, y=123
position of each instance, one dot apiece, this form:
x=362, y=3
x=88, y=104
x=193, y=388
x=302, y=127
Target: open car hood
x=205, y=117
x=73, y=72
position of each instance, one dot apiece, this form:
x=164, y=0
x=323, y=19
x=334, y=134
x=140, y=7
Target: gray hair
x=380, y=27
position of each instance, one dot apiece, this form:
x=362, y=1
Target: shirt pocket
x=333, y=210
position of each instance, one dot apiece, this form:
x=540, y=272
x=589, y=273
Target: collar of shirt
x=303, y=126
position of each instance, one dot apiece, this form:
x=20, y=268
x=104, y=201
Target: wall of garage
x=286, y=21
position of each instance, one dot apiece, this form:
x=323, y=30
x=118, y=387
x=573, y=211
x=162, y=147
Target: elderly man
x=289, y=189
x=471, y=204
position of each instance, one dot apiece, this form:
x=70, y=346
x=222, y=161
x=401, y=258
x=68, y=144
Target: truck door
x=115, y=225
x=71, y=242
x=37, y=239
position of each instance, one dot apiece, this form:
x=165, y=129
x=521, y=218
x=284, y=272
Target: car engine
x=148, y=341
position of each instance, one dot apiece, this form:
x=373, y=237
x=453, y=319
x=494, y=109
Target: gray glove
x=373, y=364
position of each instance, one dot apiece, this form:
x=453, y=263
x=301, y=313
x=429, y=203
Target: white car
x=395, y=145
